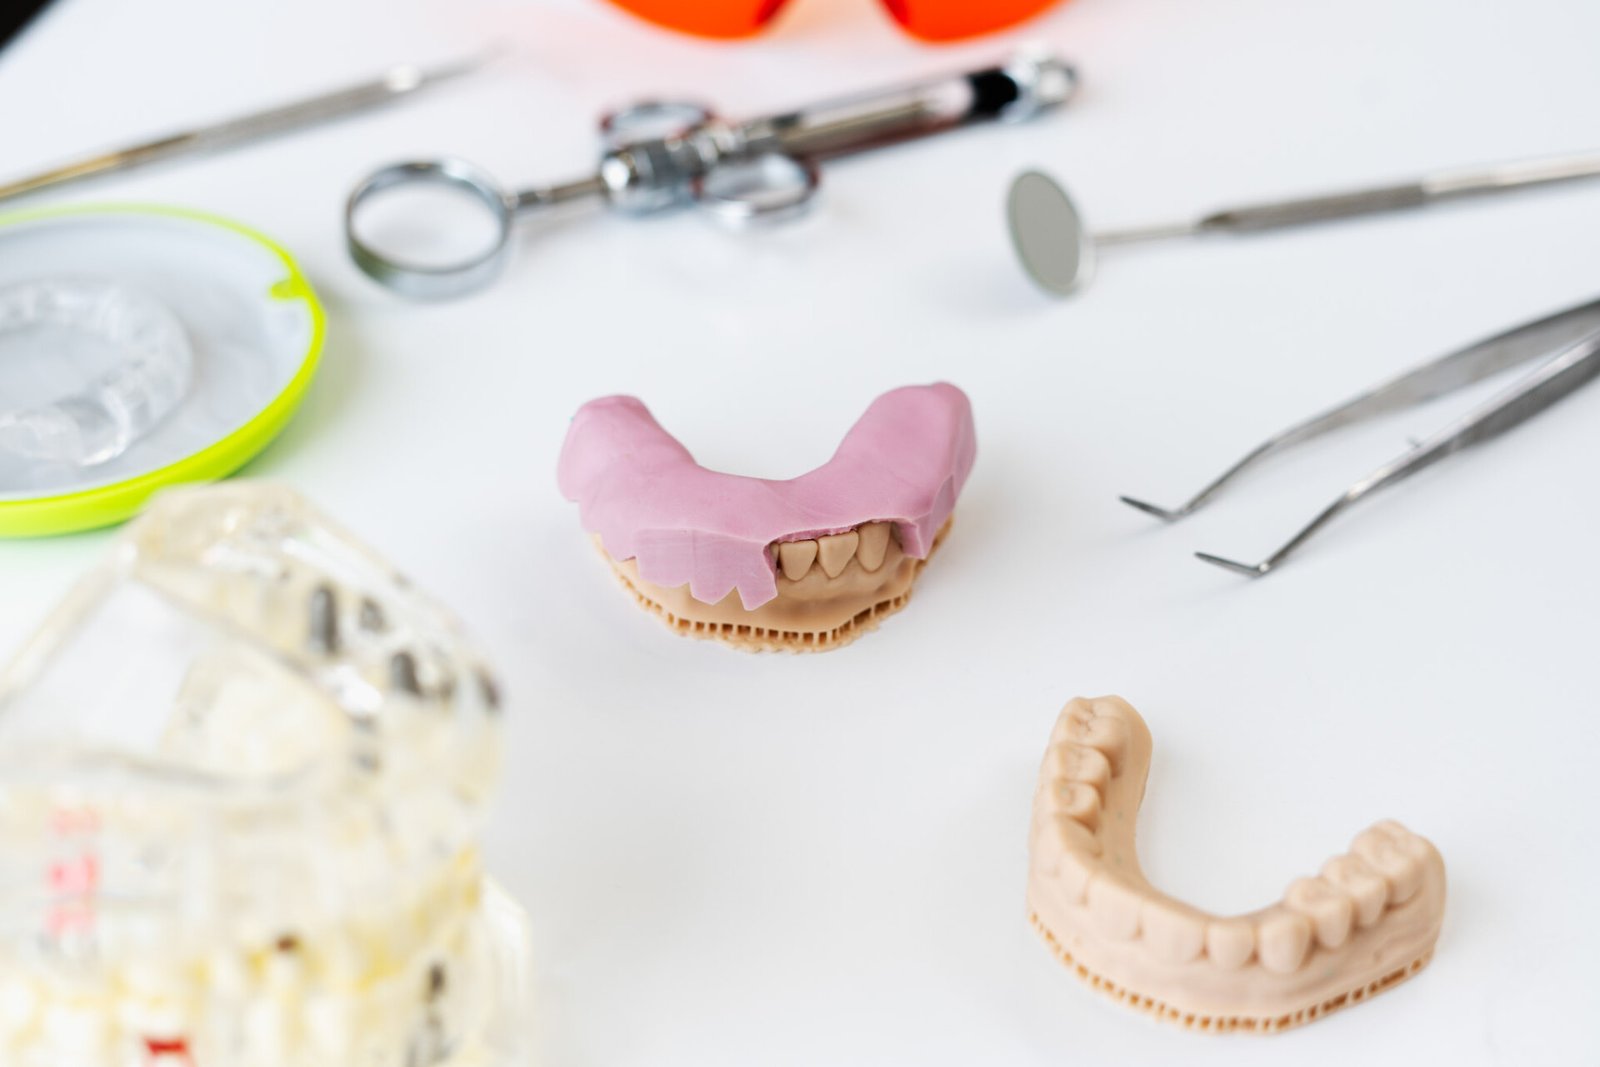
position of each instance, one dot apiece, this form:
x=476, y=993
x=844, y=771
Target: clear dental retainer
x=87, y=366
x=140, y=347
x=243, y=773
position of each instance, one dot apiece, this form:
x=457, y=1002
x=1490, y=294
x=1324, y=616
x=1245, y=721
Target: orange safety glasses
x=932, y=20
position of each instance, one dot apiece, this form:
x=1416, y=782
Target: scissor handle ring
x=652, y=120
x=769, y=187
x=432, y=282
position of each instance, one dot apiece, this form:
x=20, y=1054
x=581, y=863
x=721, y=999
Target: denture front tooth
x=1282, y=940
x=1079, y=801
x=1114, y=905
x=835, y=550
x=796, y=558
x=1080, y=763
x=1400, y=869
x=1107, y=733
x=1364, y=884
x=1230, y=942
x=1329, y=908
x=1173, y=933
x=874, y=545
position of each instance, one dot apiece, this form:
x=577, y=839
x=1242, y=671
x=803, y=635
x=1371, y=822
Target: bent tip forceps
x=1571, y=340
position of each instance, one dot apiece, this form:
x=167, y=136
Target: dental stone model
x=243, y=770
x=805, y=564
x=1368, y=921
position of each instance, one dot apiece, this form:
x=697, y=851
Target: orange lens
x=946, y=20
x=708, y=18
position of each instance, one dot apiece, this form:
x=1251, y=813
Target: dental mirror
x=1048, y=233
x=1057, y=250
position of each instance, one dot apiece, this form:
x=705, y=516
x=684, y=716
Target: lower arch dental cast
x=1368, y=921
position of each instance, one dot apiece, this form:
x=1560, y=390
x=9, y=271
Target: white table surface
x=735, y=859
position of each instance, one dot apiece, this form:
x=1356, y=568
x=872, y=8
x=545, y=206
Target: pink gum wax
x=904, y=462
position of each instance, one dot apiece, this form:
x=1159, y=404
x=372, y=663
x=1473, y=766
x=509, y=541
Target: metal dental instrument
x=1571, y=339
x=1058, y=251
x=394, y=84
x=660, y=155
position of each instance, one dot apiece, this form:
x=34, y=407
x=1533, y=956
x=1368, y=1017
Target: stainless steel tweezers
x=1571, y=340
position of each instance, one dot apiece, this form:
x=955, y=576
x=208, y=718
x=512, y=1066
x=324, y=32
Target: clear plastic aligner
x=243, y=771
x=51, y=330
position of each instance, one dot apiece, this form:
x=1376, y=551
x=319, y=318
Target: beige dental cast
x=1368, y=921
x=831, y=590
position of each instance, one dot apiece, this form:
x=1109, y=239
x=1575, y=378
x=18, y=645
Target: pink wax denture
x=677, y=524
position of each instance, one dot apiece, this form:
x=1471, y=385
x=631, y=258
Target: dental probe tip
x=1246, y=569
x=1152, y=509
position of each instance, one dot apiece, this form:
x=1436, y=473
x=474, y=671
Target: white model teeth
x=1382, y=848
x=1173, y=933
x=1230, y=943
x=1106, y=733
x=1079, y=763
x=1330, y=910
x=1079, y=801
x=1331, y=941
x=1078, y=774
x=1282, y=940
x=1114, y=906
x=796, y=558
x=1070, y=856
x=868, y=544
x=835, y=551
x=874, y=545
x=1366, y=887
x=1080, y=859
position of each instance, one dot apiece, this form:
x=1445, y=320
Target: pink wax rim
x=635, y=485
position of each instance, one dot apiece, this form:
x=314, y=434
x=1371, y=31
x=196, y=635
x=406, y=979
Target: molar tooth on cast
x=1079, y=801
x=1368, y=891
x=1105, y=732
x=1330, y=910
x=1399, y=867
x=1080, y=763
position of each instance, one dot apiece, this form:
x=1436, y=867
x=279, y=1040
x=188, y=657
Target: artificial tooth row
x=868, y=542
x=1383, y=869
x=301, y=999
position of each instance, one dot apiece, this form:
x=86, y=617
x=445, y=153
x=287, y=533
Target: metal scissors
x=665, y=154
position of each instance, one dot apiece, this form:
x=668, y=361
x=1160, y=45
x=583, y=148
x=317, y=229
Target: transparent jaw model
x=243, y=770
